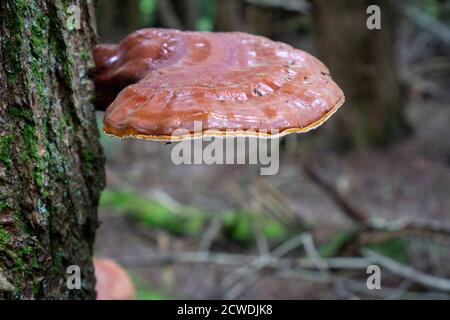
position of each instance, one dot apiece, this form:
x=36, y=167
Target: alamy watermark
x=73, y=21
x=243, y=147
x=74, y=279
x=374, y=280
x=373, y=22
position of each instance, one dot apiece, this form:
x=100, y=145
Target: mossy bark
x=362, y=62
x=51, y=163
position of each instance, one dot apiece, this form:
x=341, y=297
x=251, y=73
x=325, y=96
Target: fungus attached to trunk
x=167, y=79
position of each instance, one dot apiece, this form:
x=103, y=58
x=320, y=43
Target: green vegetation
x=207, y=15
x=148, y=12
x=395, y=248
x=435, y=8
x=332, y=246
x=186, y=221
x=144, y=292
x=238, y=226
x=205, y=22
x=148, y=294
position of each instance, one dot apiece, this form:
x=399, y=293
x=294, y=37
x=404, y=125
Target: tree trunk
x=188, y=12
x=117, y=18
x=362, y=62
x=51, y=163
x=229, y=15
x=261, y=20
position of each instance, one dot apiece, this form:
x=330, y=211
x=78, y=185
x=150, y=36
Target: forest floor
x=410, y=180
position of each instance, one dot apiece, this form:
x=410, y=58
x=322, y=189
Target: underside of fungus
x=158, y=82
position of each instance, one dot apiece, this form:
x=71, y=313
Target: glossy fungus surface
x=158, y=82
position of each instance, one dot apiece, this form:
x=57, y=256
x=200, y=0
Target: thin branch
x=230, y=260
x=311, y=252
x=249, y=270
x=408, y=225
x=289, y=265
x=363, y=219
x=211, y=233
x=407, y=271
x=243, y=277
x=358, y=286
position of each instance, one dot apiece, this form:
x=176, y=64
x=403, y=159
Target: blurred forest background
x=372, y=185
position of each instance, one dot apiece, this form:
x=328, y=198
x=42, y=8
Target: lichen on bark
x=51, y=163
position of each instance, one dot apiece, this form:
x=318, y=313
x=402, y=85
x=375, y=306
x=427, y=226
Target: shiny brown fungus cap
x=167, y=79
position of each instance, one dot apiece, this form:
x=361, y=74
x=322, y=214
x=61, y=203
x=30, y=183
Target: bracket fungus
x=158, y=82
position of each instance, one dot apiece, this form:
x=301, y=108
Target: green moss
x=4, y=238
x=25, y=264
x=5, y=150
x=26, y=250
x=38, y=40
x=3, y=205
x=19, y=270
x=30, y=155
x=34, y=263
x=31, y=149
x=36, y=43
x=89, y=160
x=13, y=44
x=20, y=113
x=20, y=266
x=61, y=128
x=85, y=56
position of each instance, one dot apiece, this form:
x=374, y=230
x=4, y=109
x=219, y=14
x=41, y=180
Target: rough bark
x=51, y=163
x=363, y=63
